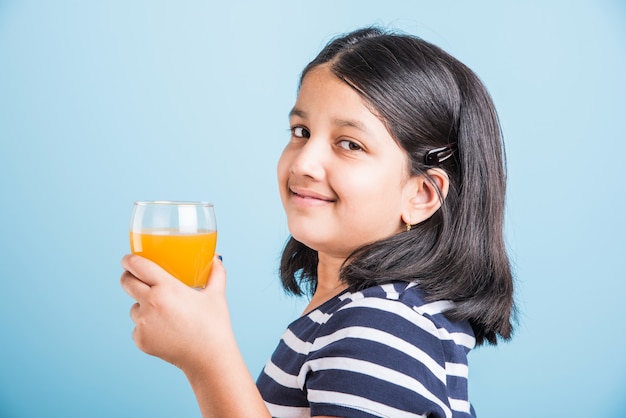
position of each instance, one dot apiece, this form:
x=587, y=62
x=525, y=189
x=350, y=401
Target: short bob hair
x=428, y=100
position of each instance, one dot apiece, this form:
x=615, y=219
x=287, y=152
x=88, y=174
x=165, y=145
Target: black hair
x=428, y=100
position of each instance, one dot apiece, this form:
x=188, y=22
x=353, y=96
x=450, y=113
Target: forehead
x=322, y=90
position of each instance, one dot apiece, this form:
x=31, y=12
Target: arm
x=191, y=329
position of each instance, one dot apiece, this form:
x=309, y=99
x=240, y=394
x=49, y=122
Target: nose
x=310, y=159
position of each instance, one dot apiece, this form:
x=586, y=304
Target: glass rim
x=172, y=203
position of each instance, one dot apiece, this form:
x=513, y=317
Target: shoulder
x=387, y=340
x=396, y=308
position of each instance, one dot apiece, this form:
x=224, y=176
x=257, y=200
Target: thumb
x=217, y=277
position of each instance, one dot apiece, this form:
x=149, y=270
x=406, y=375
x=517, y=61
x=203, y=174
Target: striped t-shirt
x=381, y=352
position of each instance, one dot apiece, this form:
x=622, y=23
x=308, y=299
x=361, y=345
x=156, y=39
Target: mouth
x=309, y=196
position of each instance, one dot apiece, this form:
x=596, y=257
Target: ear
x=425, y=194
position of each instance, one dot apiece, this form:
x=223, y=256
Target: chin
x=304, y=239
x=313, y=242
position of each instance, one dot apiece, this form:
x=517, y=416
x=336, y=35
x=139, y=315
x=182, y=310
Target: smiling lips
x=309, y=197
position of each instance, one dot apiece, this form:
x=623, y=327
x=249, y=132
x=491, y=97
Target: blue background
x=104, y=103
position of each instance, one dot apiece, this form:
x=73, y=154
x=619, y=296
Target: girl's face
x=343, y=179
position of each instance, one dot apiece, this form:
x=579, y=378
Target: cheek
x=368, y=187
x=282, y=168
x=373, y=196
x=282, y=173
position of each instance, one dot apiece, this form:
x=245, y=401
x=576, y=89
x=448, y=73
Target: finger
x=135, y=288
x=145, y=270
x=217, y=278
x=134, y=312
x=139, y=334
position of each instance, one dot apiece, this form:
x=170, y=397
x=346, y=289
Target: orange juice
x=186, y=256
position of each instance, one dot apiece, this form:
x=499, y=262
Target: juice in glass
x=186, y=256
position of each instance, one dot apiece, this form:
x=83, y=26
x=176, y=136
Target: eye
x=300, y=132
x=350, y=145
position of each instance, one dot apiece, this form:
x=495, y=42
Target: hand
x=179, y=324
x=191, y=329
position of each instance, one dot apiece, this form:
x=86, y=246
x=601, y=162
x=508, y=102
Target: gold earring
x=408, y=227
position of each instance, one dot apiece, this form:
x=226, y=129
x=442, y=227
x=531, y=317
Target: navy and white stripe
x=381, y=352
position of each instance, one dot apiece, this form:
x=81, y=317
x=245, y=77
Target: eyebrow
x=336, y=121
x=297, y=112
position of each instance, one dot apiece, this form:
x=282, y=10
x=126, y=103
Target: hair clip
x=438, y=155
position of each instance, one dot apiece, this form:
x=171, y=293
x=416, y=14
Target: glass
x=178, y=236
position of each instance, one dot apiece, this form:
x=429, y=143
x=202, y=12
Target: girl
x=393, y=185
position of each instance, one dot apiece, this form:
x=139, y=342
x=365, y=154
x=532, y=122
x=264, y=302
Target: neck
x=328, y=268
x=328, y=283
